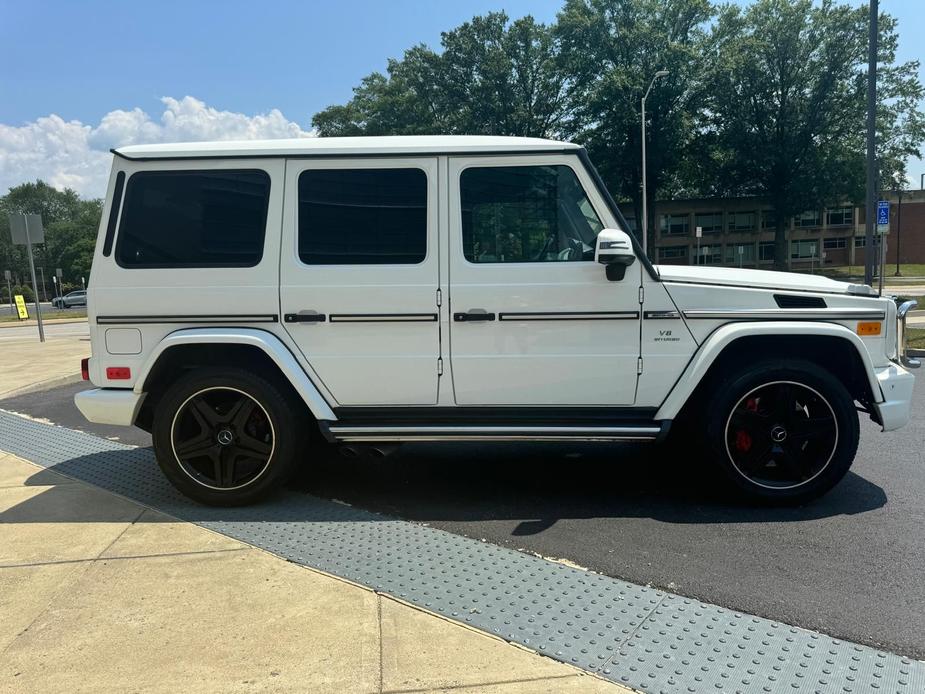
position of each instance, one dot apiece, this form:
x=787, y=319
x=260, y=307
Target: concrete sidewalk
x=98, y=593
x=29, y=365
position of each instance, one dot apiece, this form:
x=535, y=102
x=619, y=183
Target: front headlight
x=901, y=346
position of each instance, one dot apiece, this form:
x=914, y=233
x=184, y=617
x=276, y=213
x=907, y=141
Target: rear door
x=534, y=319
x=359, y=274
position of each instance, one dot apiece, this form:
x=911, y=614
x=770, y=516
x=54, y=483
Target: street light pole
x=871, y=218
x=645, y=205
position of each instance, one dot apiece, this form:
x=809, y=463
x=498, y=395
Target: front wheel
x=224, y=436
x=783, y=431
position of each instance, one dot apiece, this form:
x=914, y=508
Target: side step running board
x=346, y=432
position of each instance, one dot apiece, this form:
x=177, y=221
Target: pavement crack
x=126, y=556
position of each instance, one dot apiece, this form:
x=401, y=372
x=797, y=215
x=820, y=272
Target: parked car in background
x=71, y=299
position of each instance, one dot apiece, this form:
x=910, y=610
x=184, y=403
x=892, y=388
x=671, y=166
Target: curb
x=42, y=385
x=32, y=323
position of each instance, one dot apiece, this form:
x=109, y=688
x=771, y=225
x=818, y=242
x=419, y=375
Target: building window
x=709, y=222
x=741, y=221
x=839, y=216
x=672, y=252
x=362, y=216
x=766, y=250
x=737, y=253
x=804, y=249
x=861, y=241
x=767, y=219
x=175, y=219
x=808, y=219
x=709, y=255
x=526, y=214
x=631, y=223
x=674, y=224
x=834, y=244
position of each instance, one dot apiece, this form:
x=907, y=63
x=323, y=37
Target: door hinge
x=439, y=297
x=639, y=366
x=642, y=294
x=439, y=366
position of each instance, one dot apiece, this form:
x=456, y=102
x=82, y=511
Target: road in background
x=850, y=564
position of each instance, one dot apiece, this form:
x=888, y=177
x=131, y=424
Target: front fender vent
x=799, y=301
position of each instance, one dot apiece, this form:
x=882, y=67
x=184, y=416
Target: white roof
x=321, y=146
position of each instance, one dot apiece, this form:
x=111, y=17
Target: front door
x=534, y=320
x=359, y=274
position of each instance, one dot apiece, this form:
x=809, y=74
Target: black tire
x=783, y=431
x=257, y=416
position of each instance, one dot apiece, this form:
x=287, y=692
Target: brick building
x=739, y=231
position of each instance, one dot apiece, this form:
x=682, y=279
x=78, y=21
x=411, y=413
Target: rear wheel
x=782, y=430
x=225, y=436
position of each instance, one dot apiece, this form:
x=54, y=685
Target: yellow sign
x=21, y=307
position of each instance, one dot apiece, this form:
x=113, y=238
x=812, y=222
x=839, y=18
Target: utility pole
x=869, y=258
x=645, y=210
x=899, y=228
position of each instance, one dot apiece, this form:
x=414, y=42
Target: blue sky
x=259, y=68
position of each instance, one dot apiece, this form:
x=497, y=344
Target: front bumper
x=896, y=385
x=117, y=406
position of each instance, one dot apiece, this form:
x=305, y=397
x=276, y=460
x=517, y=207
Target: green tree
x=784, y=114
x=612, y=49
x=71, y=225
x=493, y=77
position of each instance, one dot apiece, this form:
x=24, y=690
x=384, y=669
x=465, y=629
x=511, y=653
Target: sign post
x=741, y=253
x=699, y=232
x=26, y=229
x=9, y=290
x=883, y=228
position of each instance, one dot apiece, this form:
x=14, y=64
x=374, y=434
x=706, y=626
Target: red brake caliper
x=743, y=438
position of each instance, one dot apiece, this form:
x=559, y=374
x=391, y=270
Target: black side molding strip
x=383, y=317
x=111, y=320
x=662, y=315
x=569, y=315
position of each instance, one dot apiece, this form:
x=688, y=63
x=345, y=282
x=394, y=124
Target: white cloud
x=71, y=154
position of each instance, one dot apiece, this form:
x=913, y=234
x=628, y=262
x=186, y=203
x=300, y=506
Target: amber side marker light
x=869, y=328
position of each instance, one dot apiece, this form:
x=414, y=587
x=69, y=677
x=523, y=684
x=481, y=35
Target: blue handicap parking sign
x=883, y=212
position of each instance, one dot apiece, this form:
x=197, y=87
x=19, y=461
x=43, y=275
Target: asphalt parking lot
x=849, y=565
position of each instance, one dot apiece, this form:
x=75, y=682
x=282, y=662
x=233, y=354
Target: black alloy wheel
x=222, y=438
x=781, y=435
x=225, y=436
x=781, y=430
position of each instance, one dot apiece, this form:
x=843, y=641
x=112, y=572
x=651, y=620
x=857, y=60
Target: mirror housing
x=614, y=249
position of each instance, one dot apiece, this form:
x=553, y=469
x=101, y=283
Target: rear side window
x=362, y=216
x=178, y=219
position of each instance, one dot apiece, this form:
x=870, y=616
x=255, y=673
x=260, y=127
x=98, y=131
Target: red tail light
x=85, y=368
x=118, y=373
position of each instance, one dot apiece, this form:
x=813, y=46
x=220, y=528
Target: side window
x=174, y=219
x=362, y=216
x=526, y=214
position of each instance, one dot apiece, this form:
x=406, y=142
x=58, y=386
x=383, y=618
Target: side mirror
x=614, y=250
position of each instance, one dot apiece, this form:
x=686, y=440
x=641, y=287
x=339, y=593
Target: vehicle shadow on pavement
x=542, y=483
x=534, y=484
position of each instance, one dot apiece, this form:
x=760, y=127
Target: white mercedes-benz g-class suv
x=252, y=301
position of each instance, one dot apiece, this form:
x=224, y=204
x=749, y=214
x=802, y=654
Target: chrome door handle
x=473, y=316
x=305, y=317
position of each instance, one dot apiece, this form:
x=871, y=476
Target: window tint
x=526, y=214
x=362, y=216
x=194, y=219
